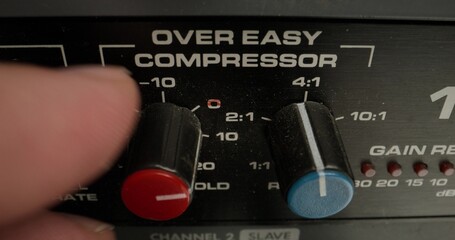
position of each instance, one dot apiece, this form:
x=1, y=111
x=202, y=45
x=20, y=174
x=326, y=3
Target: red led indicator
x=368, y=169
x=421, y=169
x=155, y=194
x=447, y=168
x=394, y=169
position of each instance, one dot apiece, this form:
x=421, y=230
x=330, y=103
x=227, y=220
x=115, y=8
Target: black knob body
x=162, y=162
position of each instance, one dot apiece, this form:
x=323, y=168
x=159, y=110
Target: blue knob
x=320, y=194
x=312, y=166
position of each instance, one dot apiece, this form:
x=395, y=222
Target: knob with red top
x=162, y=162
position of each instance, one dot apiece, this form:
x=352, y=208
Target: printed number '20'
x=387, y=183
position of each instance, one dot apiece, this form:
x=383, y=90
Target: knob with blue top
x=312, y=166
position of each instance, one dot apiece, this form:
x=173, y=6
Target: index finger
x=59, y=128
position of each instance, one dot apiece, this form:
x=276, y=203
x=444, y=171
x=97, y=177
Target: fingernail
x=90, y=224
x=104, y=227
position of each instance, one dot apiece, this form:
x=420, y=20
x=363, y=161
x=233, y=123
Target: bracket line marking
x=103, y=46
x=371, y=47
x=62, y=49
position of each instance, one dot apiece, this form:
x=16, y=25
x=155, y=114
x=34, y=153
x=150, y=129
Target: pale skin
x=59, y=128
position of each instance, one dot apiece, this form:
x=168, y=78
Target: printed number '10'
x=228, y=136
x=165, y=82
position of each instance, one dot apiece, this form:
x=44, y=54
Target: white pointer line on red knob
x=170, y=197
x=317, y=159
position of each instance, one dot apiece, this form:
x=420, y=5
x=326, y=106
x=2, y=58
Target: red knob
x=156, y=194
x=162, y=162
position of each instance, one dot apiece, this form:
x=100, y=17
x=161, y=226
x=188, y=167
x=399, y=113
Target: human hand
x=58, y=129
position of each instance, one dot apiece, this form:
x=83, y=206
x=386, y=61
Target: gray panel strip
x=357, y=9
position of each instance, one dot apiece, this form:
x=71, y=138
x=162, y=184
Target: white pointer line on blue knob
x=314, y=148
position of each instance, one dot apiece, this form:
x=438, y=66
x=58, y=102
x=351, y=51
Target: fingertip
x=105, y=116
x=116, y=101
